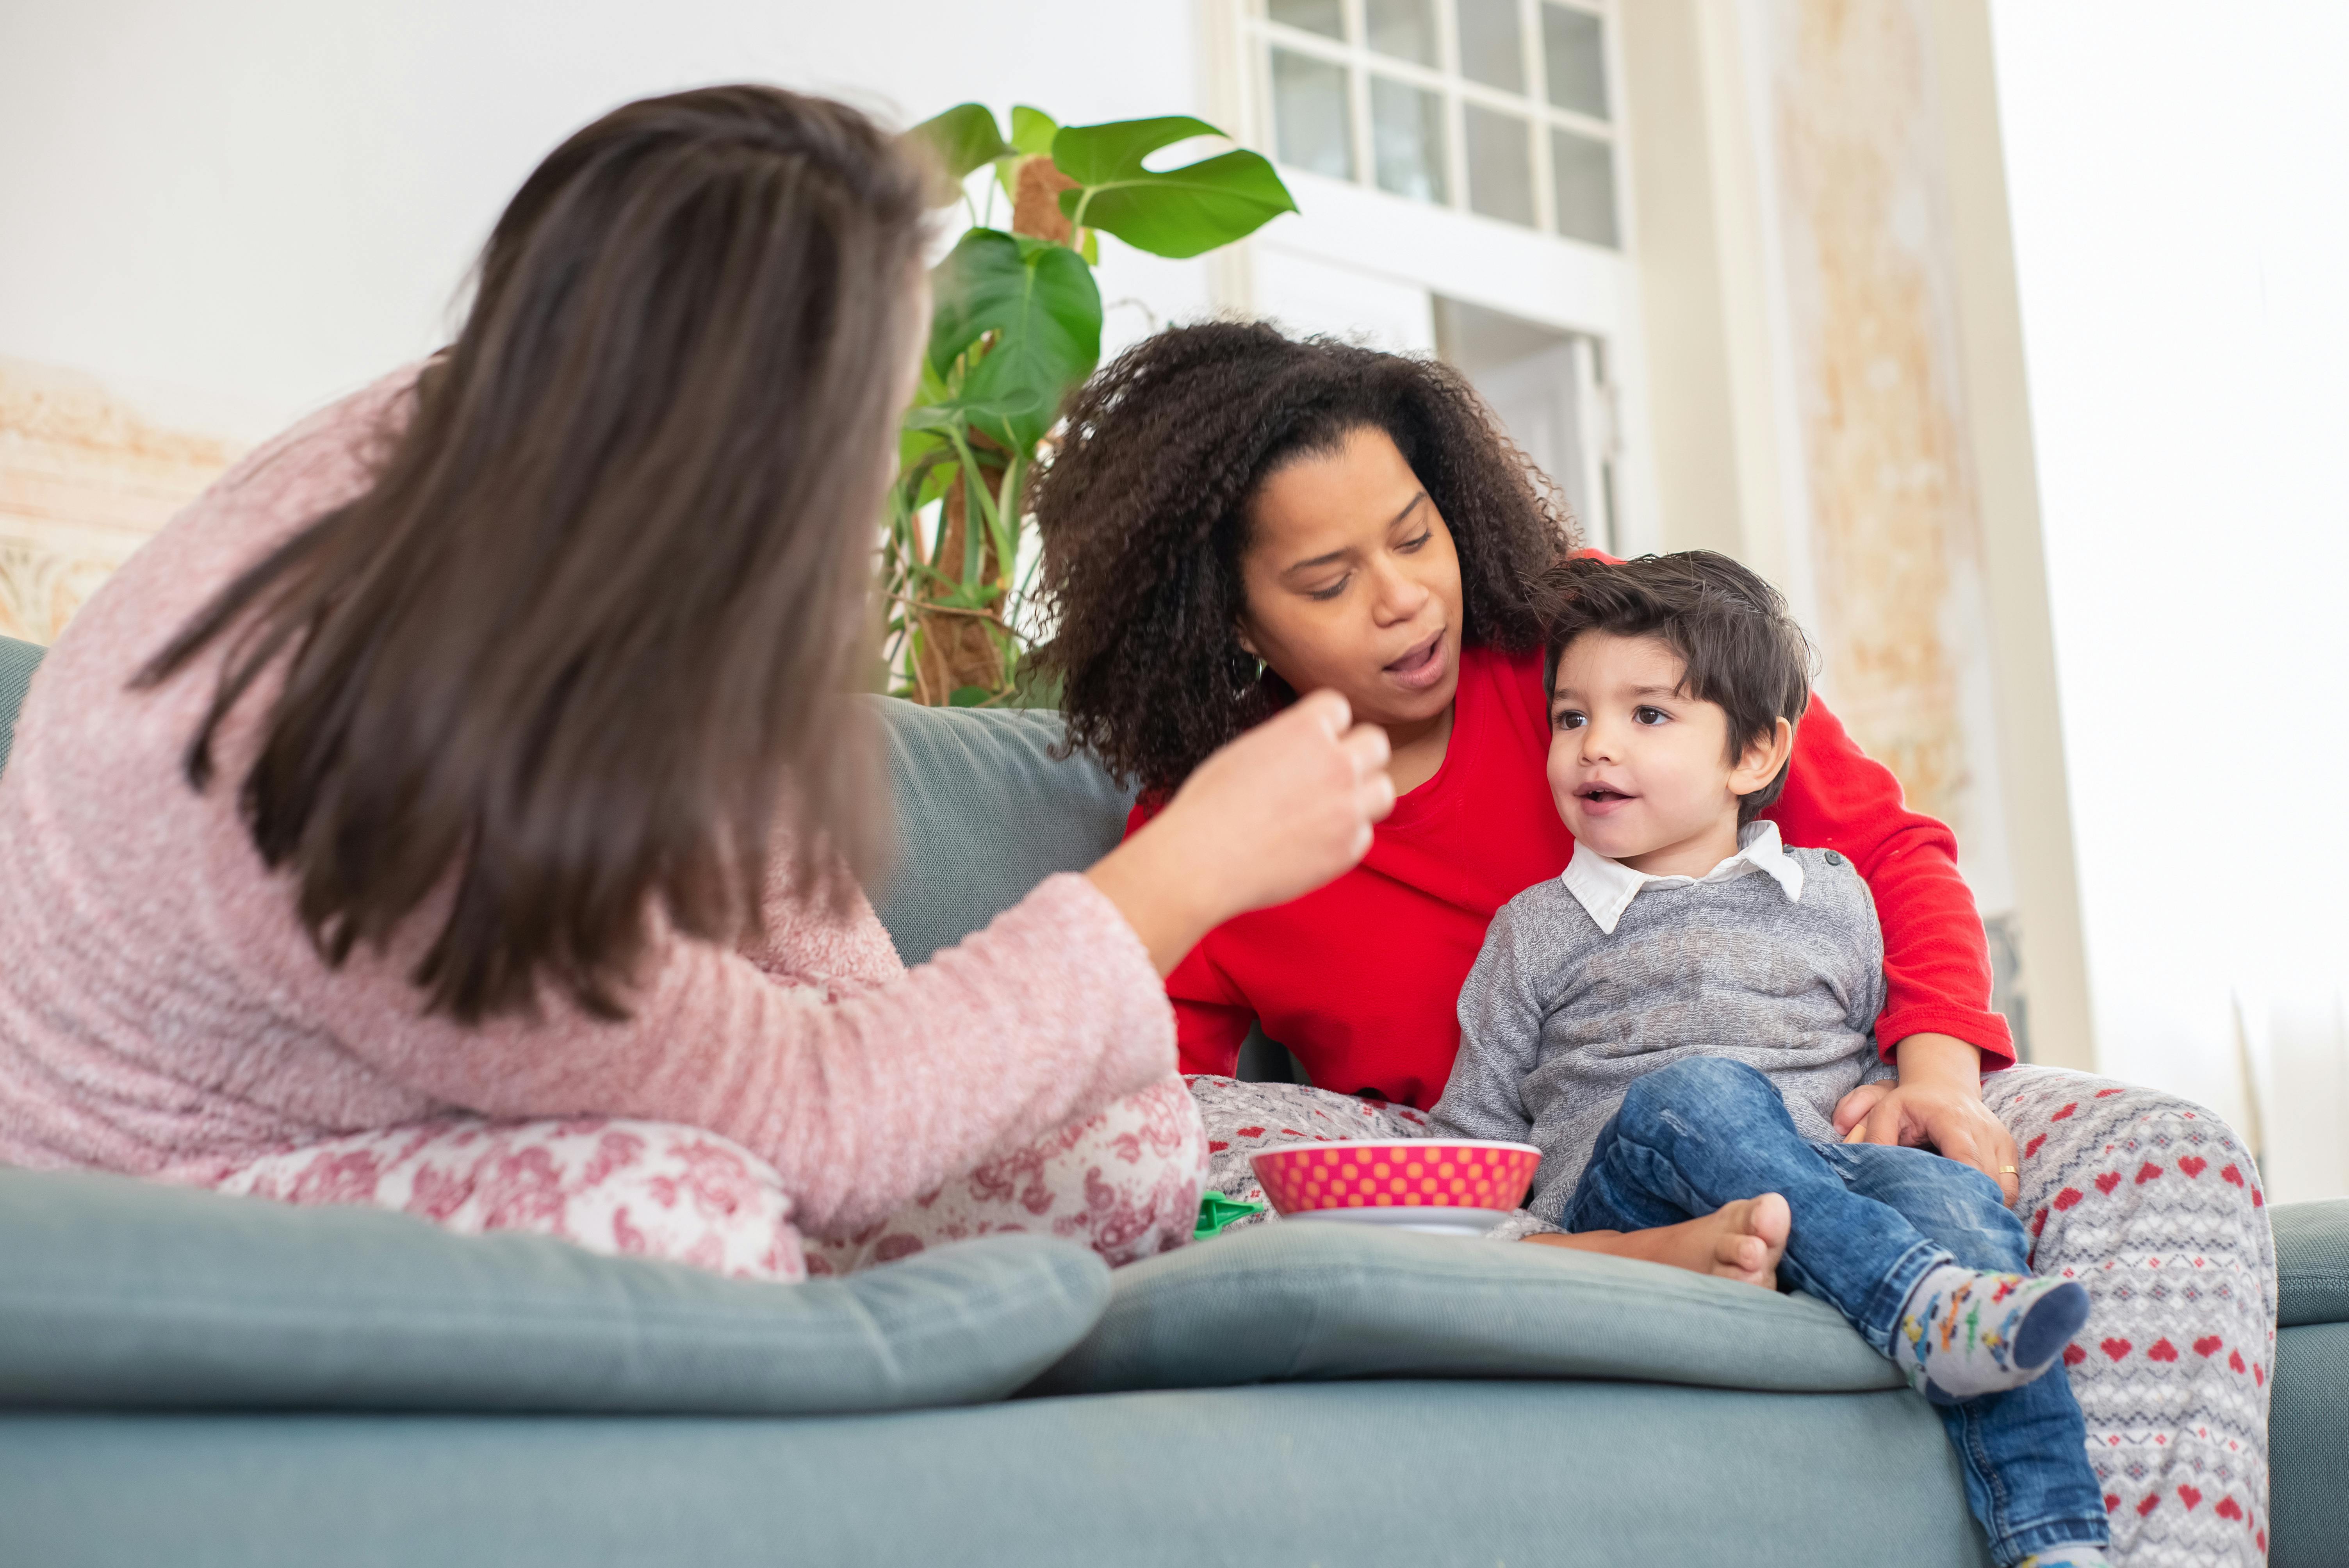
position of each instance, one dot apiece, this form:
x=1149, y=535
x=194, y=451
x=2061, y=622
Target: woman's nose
x=1401, y=597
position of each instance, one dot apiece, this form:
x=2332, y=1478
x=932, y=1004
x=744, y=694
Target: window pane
x=1574, y=52
x=1500, y=166
x=1492, y=50
x=1407, y=139
x=1309, y=114
x=1584, y=173
x=1402, y=28
x=1327, y=17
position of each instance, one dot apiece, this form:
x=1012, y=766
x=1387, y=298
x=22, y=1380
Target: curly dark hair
x=1143, y=517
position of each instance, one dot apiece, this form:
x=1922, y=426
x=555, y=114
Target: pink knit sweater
x=162, y=1013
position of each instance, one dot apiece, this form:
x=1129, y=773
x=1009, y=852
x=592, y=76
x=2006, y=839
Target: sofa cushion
x=1309, y=1300
x=984, y=813
x=17, y=661
x=1350, y=1475
x=2311, y=1243
x=120, y=1293
x=2308, y=1440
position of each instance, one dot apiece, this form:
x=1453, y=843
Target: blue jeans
x=1869, y=1222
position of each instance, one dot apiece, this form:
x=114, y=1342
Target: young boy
x=1673, y=1019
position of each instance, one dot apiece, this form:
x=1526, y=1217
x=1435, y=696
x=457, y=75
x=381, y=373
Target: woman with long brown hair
x=477, y=754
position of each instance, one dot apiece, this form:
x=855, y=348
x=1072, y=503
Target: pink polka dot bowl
x=1398, y=1173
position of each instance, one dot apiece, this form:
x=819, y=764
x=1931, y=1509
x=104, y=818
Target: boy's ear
x=1760, y=762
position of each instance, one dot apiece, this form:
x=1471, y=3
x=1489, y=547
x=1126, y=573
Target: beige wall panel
x=2053, y=953
x=1893, y=518
x=1838, y=398
x=85, y=480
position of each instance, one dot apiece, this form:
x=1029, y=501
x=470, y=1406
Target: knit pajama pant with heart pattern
x=1124, y=1182
x=2149, y=1200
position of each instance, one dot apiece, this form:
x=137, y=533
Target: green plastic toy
x=1215, y=1212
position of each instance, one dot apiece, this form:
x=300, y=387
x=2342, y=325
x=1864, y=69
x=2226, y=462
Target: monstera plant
x=1017, y=322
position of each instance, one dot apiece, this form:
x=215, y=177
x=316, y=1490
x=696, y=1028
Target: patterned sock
x=2067, y=1557
x=1968, y=1332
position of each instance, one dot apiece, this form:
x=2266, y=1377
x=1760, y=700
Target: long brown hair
x=580, y=648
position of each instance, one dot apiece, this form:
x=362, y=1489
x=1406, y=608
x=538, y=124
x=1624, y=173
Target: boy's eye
x=1566, y=719
x=1649, y=716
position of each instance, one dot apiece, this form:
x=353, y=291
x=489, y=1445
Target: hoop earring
x=1247, y=671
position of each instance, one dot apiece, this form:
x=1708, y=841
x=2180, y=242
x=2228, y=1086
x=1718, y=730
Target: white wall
x=2179, y=177
x=243, y=207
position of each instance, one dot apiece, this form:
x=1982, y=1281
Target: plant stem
x=929, y=607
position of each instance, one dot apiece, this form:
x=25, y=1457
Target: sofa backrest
x=17, y=661
x=984, y=813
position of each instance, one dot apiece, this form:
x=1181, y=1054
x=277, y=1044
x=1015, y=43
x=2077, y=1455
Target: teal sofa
x=198, y=1380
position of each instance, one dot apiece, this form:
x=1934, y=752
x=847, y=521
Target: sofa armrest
x=2311, y=1243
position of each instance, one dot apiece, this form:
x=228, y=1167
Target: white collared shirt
x=1606, y=888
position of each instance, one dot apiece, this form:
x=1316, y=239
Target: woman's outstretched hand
x=1272, y=816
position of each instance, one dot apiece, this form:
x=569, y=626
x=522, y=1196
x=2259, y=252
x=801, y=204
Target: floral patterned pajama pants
x=2149, y=1201
x=1124, y=1182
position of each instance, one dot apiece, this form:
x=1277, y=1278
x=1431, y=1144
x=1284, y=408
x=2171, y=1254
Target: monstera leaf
x=1032, y=130
x=1016, y=322
x=1181, y=213
x=1040, y=300
x=960, y=139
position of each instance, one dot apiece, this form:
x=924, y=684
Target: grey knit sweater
x=1558, y=1018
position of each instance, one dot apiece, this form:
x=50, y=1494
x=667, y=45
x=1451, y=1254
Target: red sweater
x=1360, y=978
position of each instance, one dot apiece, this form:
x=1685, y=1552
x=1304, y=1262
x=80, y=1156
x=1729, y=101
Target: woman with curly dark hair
x=1145, y=518
x=1236, y=517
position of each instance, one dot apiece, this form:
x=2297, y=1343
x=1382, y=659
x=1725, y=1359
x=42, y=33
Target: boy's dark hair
x=1740, y=648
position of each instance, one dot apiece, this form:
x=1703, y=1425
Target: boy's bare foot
x=1740, y=1241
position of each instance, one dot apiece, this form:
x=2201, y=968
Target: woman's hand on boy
x=1938, y=1101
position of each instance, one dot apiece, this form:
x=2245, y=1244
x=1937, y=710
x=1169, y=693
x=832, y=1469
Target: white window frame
x=1534, y=274
x=1456, y=92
